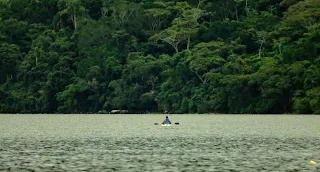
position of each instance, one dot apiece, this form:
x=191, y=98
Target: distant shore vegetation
x=181, y=56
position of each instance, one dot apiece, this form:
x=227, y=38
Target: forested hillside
x=184, y=56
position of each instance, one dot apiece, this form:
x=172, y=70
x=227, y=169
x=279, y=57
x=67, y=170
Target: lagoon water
x=134, y=143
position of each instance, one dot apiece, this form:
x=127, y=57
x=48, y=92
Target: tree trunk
x=260, y=49
x=247, y=10
x=75, y=21
x=280, y=48
x=202, y=80
x=237, y=13
x=199, y=76
x=176, y=48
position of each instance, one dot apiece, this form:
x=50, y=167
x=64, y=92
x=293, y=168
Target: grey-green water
x=134, y=143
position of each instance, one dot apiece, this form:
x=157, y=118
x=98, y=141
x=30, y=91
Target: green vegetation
x=184, y=56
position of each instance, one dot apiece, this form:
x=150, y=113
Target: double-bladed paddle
x=177, y=123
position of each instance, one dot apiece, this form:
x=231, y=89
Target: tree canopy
x=181, y=56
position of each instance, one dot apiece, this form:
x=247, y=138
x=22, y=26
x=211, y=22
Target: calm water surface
x=134, y=143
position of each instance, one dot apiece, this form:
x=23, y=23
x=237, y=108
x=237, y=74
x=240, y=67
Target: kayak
x=166, y=125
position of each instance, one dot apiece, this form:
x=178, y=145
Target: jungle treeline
x=183, y=56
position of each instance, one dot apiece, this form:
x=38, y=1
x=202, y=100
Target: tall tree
x=72, y=10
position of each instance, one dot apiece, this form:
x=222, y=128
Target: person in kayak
x=167, y=120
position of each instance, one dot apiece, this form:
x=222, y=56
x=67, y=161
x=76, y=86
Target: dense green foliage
x=184, y=56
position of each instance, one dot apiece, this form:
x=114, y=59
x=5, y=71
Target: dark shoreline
x=148, y=114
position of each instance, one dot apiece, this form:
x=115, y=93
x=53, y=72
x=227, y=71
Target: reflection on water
x=133, y=143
